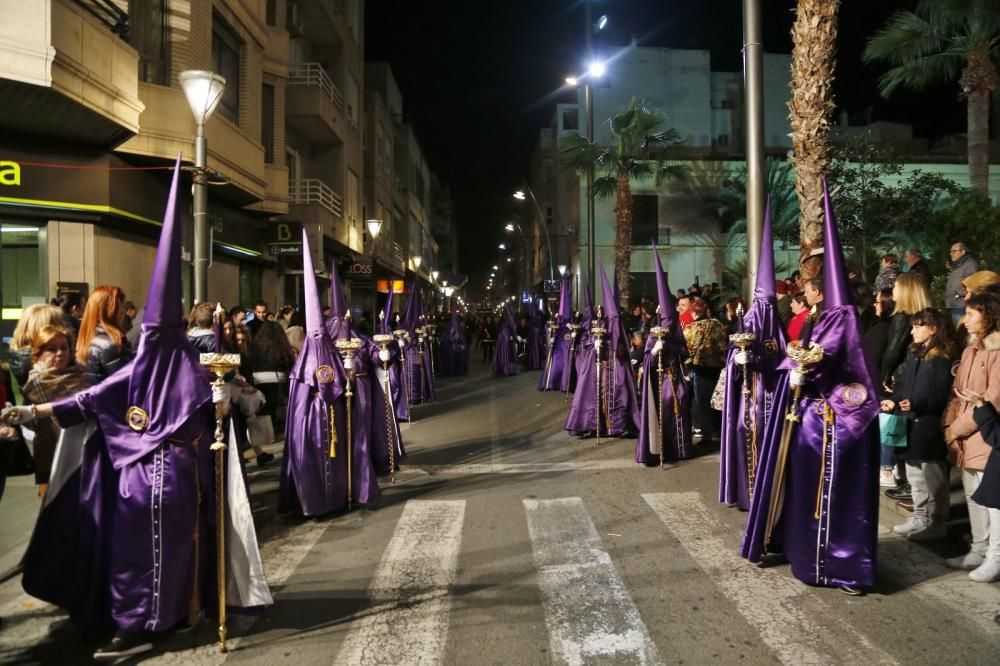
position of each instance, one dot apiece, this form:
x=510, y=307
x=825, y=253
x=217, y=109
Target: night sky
x=479, y=79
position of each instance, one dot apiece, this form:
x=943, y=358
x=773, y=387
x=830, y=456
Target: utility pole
x=753, y=82
x=588, y=103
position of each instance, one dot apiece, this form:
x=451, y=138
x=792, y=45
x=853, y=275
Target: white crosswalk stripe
x=589, y=613
x=410, y=593
x=770, y=601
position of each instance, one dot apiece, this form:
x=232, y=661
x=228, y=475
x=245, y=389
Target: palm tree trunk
x=623, y=237
x=814, y=37
x=979, y=80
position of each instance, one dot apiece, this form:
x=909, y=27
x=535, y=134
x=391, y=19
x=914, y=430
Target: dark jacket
x=20, y=366
x=104, y=358
x=954, y=293
x=925, y=380
x=876, y=337
x=988, y=493
x=203, y=340
x=897, y=340
x=923, y=270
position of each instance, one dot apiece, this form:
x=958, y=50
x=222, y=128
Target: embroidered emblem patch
x=137, y=418
x=855, y=394
x=769, y=346
x=568, y=336
x=325, y=374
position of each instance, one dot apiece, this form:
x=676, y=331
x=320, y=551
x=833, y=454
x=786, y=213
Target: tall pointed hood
x=314, y=313
x=835, y=289
x=565, y=307
x=166, y=383
x=764, y=288
x=608, y=293
x=668, y=313
x=338, y=306
x=385, y=324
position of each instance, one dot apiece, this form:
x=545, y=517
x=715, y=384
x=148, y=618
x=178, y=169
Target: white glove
x=17, y=415
x=741, y=358
x=633, y=361
x=349, y=363
x=384, y=355
x=573, y=334
x=520, y=339
x=657, y=347
x=401, y=343
x=796, y=378
x=220, y=394
x=597, y=343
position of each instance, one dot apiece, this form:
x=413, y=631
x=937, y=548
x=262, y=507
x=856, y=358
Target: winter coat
x=979, y=371
x=104, y=358
x=953, y=292
x=203, y=339
x=923, y=270
x=988, y=493
x=925, y=380
x=897, y=340
x=20, y=366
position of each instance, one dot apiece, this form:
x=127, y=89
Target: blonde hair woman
x=32, y=321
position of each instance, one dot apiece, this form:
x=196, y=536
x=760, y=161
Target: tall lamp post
x=203, y=90
x=510, y=226
x=519, y=195
x=374, y=228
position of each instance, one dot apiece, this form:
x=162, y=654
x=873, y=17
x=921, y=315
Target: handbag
x=260, y=430
x=892, y=430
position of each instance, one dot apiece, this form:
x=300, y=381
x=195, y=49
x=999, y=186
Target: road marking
x=589, y=613
x=769, y=600
x=407, y=621
x=464, y=469
x=920, y=571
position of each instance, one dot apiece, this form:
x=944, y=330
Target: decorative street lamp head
x=519, y=195
x=434, y=275
x=502, y=246
x=496, y=268
x=509, y=227
x=416, y=261
x=601, y=23
x=444, y=283
x=597, y=69
x=572, y=81
x=562, y=269
x=203, y=90
x=374, y=228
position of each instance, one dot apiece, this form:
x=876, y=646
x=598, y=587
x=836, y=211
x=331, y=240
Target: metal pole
x=753, y=68
x=200, y=192
x=591, y=250
x=374, y=316
x=545, y=228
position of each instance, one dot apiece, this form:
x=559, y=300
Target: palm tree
x=814, y=37
x=642, y=145
x=943, y=41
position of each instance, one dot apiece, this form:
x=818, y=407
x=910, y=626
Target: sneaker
x=911, y=525
x=851, y=590
x=887, y=479
x=902, y=492
x=126, y=644
x=264, y=458
x=905, y=505
x=930, y=532
x=987, y=572
x=967, y=562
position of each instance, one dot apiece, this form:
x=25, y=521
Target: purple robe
x=454, y=349
x=557, y=357
x=505, y=358
x=535, y=343
x=671, y=394
x=582, y=417
x=385, y=425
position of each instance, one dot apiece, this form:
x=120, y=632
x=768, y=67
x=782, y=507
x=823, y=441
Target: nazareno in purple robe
x=454, y=349
x=418, y=374
x=749, y=397
x=535, y=342
x=664, y=389
x=385, y=422
x=132, y=529
x=828, y=523
x=505, y=359
x=558, y=344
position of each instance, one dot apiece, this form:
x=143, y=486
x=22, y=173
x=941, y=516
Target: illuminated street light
x=572, y=81
x=417, y=259
x=509, y=227
x=503, y=246
x=519, y=195
x=562, y=269
x=597, y=69
x=601, y=23
x=496, y=268
x=434, y=275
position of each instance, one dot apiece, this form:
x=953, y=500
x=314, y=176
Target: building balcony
x=275, y=200
x=390, y=253
x=314, y=203
x=65, y=71
x=314, y=106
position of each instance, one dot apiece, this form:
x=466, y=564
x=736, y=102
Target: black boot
x=125, y=644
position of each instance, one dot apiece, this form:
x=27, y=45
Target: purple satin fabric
x=505, y=358
x=419, y=379
x=766, y=354
x=556, y=361
x=454, y=350
x=582, y=417
x=384, y=426
x=535, y=344
x=676, y=444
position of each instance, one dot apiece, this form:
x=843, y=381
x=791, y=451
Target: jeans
x=930, y=488
x=985, y=522
x=704, y=379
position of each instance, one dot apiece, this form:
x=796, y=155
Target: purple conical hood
x=764, y=288
x=835, y=289
x=338, y=306
x=314, y=313
x=610, y=305
x=667, y=310
x=565, y=307
x=617, y=290
x=164, y=300
x=385, y=325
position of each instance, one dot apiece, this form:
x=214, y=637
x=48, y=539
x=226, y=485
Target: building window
x=271, y=12
x=571, y=120
x=226, y=47
x=267, y=122
x=148, y=36
x=723, y=140
x=645, y=219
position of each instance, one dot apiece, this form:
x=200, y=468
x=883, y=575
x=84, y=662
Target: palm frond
x=905, y=37
x=921, y=73
x=605, y=186
x=577, y=152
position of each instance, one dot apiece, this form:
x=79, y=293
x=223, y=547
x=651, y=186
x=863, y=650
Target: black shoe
x=126, y=644
x=851, y=590
x=996, y=618
x=902, y=492
x=264, y=458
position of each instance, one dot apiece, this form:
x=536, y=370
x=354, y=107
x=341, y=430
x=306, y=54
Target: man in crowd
x=259, y=317
x=886, y=277
x=963, y=265
x=813, y=290
x=914, y=258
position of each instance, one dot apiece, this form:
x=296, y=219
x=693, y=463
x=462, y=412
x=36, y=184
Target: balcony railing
x=108, y=13
x=303, y=191
x=312, y=74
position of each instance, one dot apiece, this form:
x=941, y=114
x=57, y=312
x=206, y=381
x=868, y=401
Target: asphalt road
x=505, y=541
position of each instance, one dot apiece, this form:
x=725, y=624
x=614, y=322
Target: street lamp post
x=203, y=90
x=510, y=226
x=374, y=228
x=519, y=195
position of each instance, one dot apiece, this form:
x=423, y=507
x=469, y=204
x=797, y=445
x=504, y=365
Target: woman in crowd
x=920, y=396
x=53, y=375
x=296, y=330
x=978, y=373
x=32, y=321
x=101, y=346
x=271, y=359
x=706, y=341
x=911, y=295
x=800, y=312
x=729, y=318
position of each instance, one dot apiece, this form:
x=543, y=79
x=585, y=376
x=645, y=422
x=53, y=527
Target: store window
x=22, y=267
x=226, y=48
x=250, y=284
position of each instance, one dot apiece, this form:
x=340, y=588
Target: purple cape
x=667, y=393
x=505, y=359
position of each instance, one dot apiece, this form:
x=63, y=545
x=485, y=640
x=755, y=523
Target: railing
x=108, y=13
x=303, y=191
x=312, y=74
